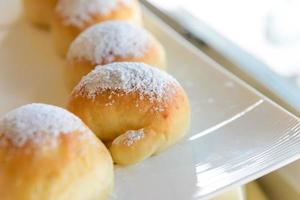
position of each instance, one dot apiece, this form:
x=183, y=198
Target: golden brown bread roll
x=112, y=41
x=140, y=109
x=73, y=16
x=47, y=153
x=39, y=12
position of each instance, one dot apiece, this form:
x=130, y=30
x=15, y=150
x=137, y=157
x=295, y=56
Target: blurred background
x=268, y=29
x=259, y=40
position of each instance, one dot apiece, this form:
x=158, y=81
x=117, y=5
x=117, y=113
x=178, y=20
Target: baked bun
x=112, y=41
x=47, y=153
x=74, y=16
x=139, y=109
x=39, y=12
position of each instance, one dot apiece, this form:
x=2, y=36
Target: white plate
x=243, y=126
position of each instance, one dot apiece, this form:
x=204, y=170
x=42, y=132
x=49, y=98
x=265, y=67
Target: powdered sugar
x=130, y=137
x=78, y=12
x=103, y=43
x=128, y=77
x=37, y=123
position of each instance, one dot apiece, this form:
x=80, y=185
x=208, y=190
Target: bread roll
x=39, y=12
x=47, y=153
x=74, y=16
x=141, y=110
x=112, y=41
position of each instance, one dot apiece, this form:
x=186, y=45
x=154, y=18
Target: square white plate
x=235, y=131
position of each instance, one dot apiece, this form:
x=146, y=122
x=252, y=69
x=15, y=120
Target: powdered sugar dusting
x=39, y=124
x=78, y=12
x=128, y=77
x=130, y=137
x=103, y=43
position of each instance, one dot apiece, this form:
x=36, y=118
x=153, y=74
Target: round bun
x=48, y=153
x=139, y=109
x=73, y=16
x=39, y=12
x=112, y=41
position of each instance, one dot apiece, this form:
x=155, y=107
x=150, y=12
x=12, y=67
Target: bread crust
x=75, y=69
x=39, y=12
x=78, y=167
x=129, y=112
x=64, y=34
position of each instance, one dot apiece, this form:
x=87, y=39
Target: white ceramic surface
x=235, y=132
